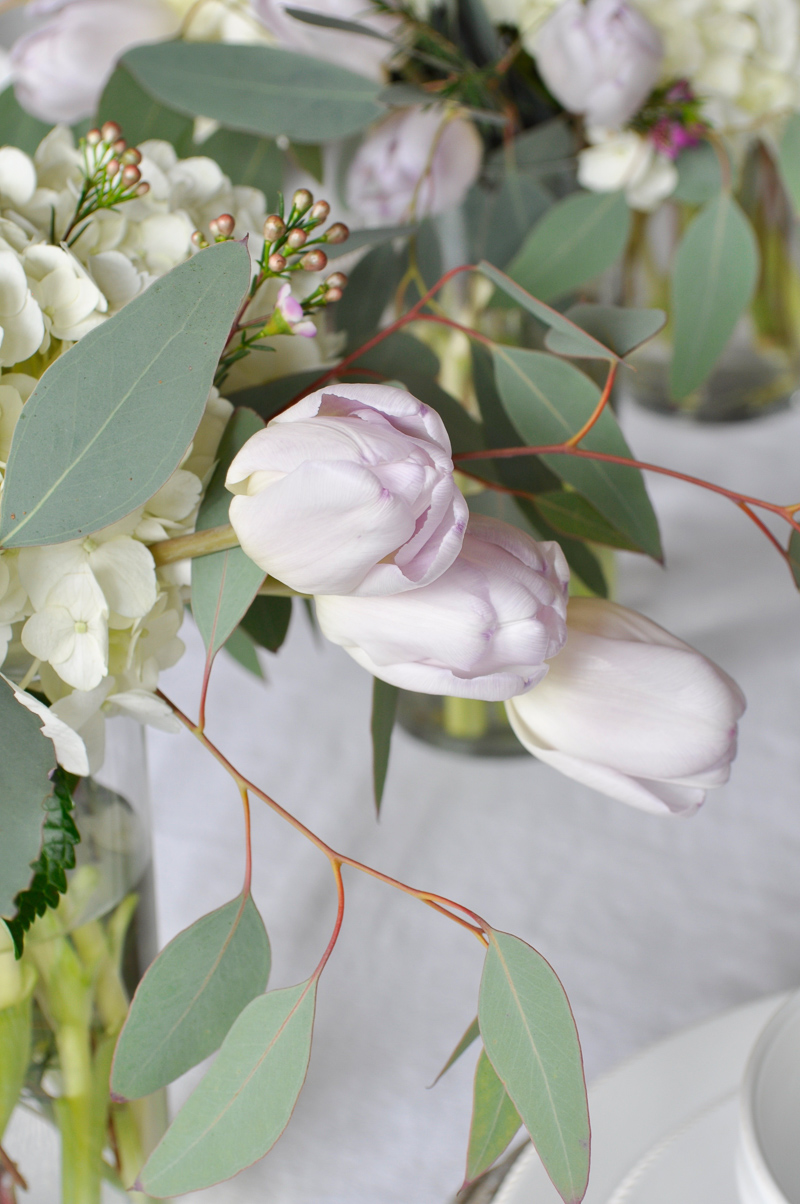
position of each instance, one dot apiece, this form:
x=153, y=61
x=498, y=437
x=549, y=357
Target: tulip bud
x=112, y=167
x=110, y=131
x=632, y=711
x=120, y=146
x=143, y=188
x=314, y=261
x=199, y=240
x=601, y=59
x=336, y=280
x=276, y=262
x=349, y=490
x=296, y=239
x=483, y=629
x=133, y=156
x=93, y=137
x=338, y=232
x=222, y=226
x=130, y=175
x=302, y=200
x=333, y=294
x=319, y=211
x=274, y=228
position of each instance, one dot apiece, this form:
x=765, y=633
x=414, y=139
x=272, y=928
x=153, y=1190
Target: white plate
x=664, y=1124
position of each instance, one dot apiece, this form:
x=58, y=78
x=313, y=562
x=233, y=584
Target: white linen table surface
x=651, y=923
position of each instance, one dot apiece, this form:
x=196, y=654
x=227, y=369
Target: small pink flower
x=292, y=311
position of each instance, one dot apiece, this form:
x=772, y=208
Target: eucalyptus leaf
x=384, y=709
x=397, y=354
x=267, y=621
x=498, y=219
x=247, y=159
x=570, y=331
x=18, y=127
x=27, y=762
x=479, y=32
x=713, y=280
x=110, y=421
x=225, y=583
x=367, y=238
x=794, y=557
x=699, y=175
x=621, y=330
x=308, y=157
x=788, y=158
x=190, y=997
x=141, y=117
x=494, y=1122
x=309, y=17
x=548, y=400
x=546, y=147
x=572, y=514
x=532, y=1043
x=572, y=244
x=372, y=285
x=244, y=1102
x=242, y=648
x=471, y=1033
x=260, y=89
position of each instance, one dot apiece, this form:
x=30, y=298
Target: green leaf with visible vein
x=622, y=330
x=713, y=279
x=495, y=1120
x=572, y=514
x=190, y=997
x=384, y=708
x=110, y=421
x=531, y=1040
x=242, y=648
x=246, y=159
x=27, y=762
x=224, y=583
x=471, y=1034
x=548, y=400
x=573, y=243
x=591, y=347
x=245, y=1101
x=142, y=117
x=259, y=89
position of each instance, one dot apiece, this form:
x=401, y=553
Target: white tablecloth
x=651, y=924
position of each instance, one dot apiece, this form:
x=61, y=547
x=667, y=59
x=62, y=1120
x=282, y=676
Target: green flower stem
x=465, y=718
x=200, y=543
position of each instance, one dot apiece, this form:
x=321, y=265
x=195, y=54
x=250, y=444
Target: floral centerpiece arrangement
x=197, y=405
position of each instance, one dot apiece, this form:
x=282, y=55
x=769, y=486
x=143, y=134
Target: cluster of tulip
x=349, y=496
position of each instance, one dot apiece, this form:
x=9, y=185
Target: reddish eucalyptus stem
x=336, y=866
x=437, y=902
x=248, y=843
x=561, y=449
x=762, y=526
x=467, y=330
x=575, y=439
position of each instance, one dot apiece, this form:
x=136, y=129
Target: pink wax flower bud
x=415, y=163
x=288, y=317
x=601, y=59
x=350, y=490
x=484, y=629
x=60, y=69
x=632, y=711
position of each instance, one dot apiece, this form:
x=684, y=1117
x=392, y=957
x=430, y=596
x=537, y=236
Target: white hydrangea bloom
x=627, y=161
x=21, y=320
x=70, y=632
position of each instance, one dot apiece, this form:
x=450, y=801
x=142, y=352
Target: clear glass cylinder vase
x=759, y=370
x=62, y=1005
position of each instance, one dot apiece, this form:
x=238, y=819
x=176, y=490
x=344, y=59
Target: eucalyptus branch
x=438, y=902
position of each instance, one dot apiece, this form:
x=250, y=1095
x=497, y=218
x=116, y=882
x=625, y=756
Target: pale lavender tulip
x=360, y=53
x=484, y=629
x=351, y=490
x=601, y=59
x=60, y=69
x=413, y=164
x=632, y=711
